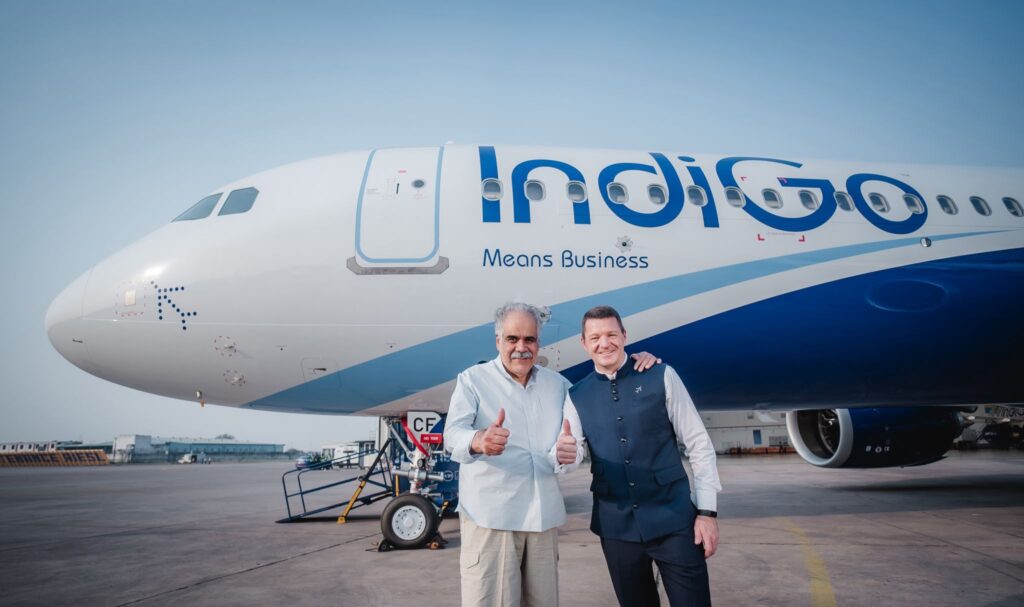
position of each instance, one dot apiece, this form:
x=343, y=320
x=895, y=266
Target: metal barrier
x=381, y=466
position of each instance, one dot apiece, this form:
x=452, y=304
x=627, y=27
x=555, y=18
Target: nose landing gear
x=410, y=521
x=412, y=471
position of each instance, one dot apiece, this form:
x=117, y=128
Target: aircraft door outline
x=397, y=214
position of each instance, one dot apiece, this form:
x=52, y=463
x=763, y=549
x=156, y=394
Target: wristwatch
x=710, y=513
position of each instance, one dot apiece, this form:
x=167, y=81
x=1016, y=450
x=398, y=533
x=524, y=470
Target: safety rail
x=381, y=466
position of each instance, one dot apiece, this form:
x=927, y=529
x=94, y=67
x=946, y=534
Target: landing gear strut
x=411, y=520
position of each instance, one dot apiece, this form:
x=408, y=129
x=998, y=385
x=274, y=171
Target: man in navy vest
x=502, y=427
x=643, y=511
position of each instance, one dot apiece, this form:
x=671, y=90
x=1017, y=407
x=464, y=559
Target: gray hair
x=516, y=306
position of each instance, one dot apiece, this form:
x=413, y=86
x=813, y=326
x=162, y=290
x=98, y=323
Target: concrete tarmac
x=951, y=533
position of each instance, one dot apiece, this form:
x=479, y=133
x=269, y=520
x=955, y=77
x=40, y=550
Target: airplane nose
x=64, y=321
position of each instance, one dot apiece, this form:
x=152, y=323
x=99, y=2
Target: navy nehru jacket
x=640, y=488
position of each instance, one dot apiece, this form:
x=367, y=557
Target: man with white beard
x=503, y=422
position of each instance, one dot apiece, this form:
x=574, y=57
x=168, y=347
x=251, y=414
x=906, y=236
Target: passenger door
x=397, y=213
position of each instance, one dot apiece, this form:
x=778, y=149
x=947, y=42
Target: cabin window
x=239, y=201
x=878, y=202
x=617, y=193
x=656, y=193
x=735, y=197
x=576, y=191
x=843, y=201
x=1013, y=207
x=201, y=209
x=534, y=190
x=491, y=189
x=914, y=204
x=695, y=194
x=772, y=199
x=808, y=199
x=981, y=206
x=947, y=205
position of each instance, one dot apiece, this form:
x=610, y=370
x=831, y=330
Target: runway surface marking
x=821, y=585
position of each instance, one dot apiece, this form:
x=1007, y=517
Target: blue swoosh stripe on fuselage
x=941, y=332
x=400, y=374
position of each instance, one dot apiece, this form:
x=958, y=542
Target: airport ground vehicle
x=310, y=460
x=1003, y=435
x=194, y=458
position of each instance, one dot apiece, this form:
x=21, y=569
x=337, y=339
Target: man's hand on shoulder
x=644, y=361
x=492, y=440
x=705, y=531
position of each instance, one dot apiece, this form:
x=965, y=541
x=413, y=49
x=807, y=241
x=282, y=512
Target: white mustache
x=521, y=355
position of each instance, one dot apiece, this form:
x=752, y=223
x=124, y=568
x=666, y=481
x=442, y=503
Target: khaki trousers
x=508, y=568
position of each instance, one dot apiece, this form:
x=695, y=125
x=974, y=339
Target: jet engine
x=873, y=438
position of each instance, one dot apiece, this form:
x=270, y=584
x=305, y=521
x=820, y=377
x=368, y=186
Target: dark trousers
x=681, y=563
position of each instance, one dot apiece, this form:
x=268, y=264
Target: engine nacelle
x=873, y=438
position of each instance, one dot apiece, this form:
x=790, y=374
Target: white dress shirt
x=517, y=490
x=689, y=430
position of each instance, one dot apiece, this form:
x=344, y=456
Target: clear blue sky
x=116, y=116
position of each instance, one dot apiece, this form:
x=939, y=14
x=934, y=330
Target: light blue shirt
x=517, y=490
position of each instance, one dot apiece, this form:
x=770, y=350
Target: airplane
x=873, y=302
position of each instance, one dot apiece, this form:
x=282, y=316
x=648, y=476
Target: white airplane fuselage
x=362, y=283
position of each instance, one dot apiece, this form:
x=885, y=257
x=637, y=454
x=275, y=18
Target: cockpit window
x=239, y=201
x=201, y=209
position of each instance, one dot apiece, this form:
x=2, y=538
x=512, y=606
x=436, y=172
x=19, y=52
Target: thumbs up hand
x=565, y=450
x=492, y=441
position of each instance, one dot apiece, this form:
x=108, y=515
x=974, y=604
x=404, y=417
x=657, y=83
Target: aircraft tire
x=409, y=521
